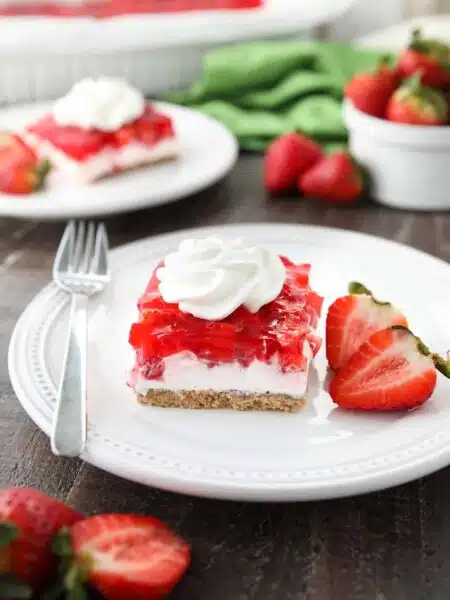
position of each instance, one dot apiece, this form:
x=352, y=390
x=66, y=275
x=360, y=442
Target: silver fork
x=81, y=269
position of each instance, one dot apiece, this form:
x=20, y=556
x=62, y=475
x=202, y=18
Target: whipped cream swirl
x=106, y=104
x=211, y=278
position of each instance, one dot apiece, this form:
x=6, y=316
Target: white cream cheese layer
x=184, y=371
x=67, y=170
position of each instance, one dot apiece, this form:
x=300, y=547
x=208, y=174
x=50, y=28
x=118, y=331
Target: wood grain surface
x=392, y=545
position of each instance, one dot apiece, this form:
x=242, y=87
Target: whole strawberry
x=369, y=92
x=20, y=170
x=28, y=522
x=430, y=58
x=392, y=370
x=286, y=158
x=415, y=104
x=337, y=177
x=125, y=557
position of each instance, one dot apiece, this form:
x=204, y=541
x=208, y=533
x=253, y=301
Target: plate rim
x=60, y=212
x=357, y=483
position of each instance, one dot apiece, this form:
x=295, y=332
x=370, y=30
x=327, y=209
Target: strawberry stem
x=8, y=533
x=11, y=587
x=42, y=170
x=354, y=287
x=73, y=571
x=442, y=365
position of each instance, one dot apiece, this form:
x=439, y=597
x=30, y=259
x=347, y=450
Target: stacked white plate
x=41, y=57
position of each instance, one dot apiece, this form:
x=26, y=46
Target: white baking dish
x=41, y=57
x=409, y=165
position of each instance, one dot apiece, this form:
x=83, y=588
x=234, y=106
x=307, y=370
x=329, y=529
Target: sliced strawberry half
x=124, y=556
x=352, y=319
x=392, y=370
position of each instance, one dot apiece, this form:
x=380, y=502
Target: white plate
x=208, y=152
x=322, y=452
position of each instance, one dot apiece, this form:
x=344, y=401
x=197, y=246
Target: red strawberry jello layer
x=246, y=361
x=110, y=8
x=81, y=155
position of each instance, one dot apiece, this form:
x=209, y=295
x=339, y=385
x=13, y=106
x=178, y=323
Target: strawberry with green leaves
x=416, y=104
x=352, y=319
x=392, y=370
x=124, y=557
x=369, y=92
x=430, y=58
x=28, y=522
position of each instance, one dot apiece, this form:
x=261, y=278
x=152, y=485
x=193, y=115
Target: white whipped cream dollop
x=106, y=104
x=211, y=278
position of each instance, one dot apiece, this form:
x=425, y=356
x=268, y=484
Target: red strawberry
x=416, y=104
x=352, y=319
x=28, y=522
x=431, y=58
x=337, y=177
x=286, y=158
x=370, y=92
x=20, y=171
x=393, y=370
x=124, y=556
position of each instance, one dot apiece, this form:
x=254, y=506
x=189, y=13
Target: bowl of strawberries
x=398, y=120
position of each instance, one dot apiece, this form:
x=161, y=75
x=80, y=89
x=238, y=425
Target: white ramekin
x=409, y=165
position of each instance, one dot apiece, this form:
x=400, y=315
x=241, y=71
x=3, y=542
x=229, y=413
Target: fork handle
x=69, y=422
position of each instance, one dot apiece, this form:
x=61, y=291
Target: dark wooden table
x=392, y=545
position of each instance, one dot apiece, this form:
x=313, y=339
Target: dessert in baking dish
x=99, y=128
x=112, y=8
x=225, y=325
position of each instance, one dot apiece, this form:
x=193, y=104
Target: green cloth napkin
x=260, y=90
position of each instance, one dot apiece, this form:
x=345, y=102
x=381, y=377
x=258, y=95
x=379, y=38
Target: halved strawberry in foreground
x=352, y=319
x=393, y=370
x=126, y=557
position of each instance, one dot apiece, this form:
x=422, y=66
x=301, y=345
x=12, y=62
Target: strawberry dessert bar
x=225, y=325
x=99, y=128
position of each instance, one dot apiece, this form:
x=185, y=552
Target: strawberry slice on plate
x=393, y=370
x=352, y=319
x=123, y=556
x=28, y=522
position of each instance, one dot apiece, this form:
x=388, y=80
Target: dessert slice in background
x=225, y=325
x=99, y=128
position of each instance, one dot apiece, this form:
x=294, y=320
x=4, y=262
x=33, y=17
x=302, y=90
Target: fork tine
x=88, y=247
x=77, y=255
x=64, y=253
x=99, y=263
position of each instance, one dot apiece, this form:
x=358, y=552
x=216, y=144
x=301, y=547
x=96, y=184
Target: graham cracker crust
x=210, y=399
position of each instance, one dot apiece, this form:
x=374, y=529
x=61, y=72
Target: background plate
x=322, y=452
x=196, y=168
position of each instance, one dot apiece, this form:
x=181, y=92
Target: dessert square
x=101, y=128
x=251, y=349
